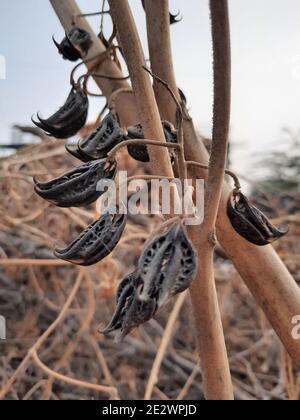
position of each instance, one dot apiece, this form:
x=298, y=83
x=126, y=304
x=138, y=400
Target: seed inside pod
x=69, y=119
x=75, y=44
x=139, y=151
x=167, y=265
x=77, y=187
x=96, y=242
x=250, y=222
x=105, y=138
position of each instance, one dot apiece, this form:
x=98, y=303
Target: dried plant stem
x=102, y=361
x=214, y=361
x=144, y=96
x=15, y=160
x=165, y=340
x=213, y=355
x=159, y=41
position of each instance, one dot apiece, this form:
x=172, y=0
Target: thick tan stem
x=157, y=17
x=144, y=95
x=260, y=267
x=212, y=350
x=213, y=356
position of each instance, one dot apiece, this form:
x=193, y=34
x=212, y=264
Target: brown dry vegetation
x=34, y=291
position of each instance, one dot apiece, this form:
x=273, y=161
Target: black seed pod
x=167, y=265
x=104, y=139
x=95, y=242
x=251, y=223
x=139, y=151
x=77, y=187
x=75, y=45
x=69, y=119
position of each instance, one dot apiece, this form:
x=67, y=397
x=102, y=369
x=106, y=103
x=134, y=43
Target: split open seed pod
x=96, y=242
x=139, y=311
x=75, y=44
x=77, y=187
x=69, y=119
x=250, y=222
x=168, y=265
x=103, y=139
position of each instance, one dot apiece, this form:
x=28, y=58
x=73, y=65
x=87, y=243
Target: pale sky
x=265, y=66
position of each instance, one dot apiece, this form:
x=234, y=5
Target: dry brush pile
x=35, y=286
